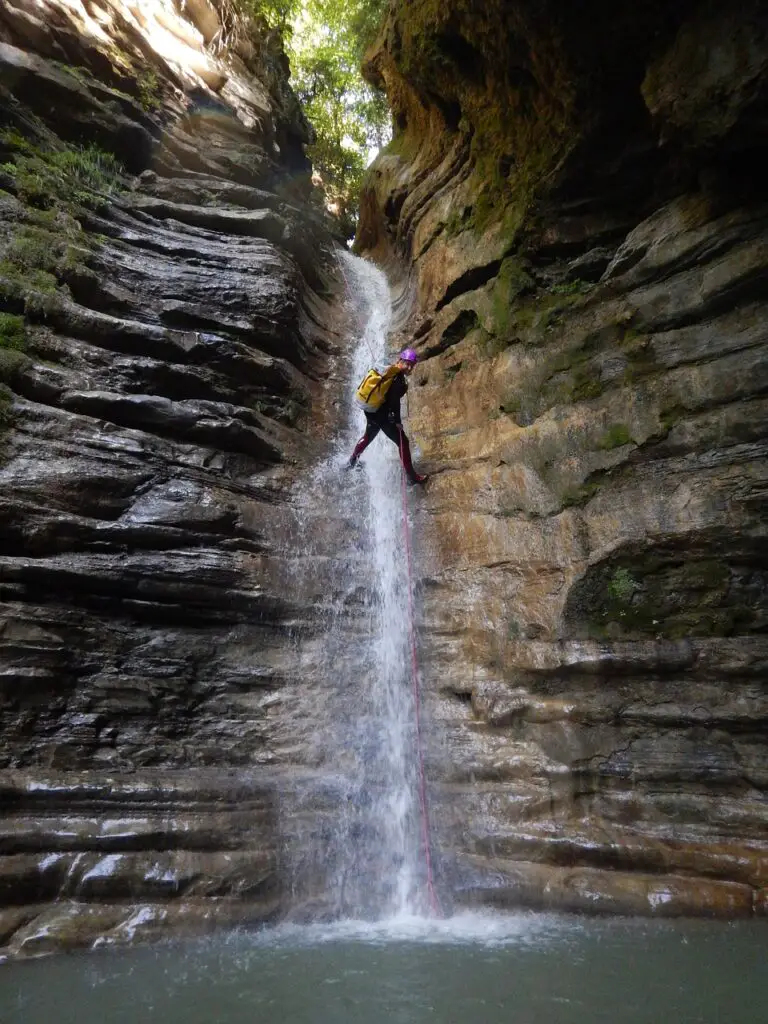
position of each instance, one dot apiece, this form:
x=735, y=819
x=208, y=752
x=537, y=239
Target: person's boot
x=354, y=459
x=405, y=458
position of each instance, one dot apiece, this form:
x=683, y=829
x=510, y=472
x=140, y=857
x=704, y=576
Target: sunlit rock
x=150, y=439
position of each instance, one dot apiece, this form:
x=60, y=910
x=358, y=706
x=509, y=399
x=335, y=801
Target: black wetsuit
x=387, y=420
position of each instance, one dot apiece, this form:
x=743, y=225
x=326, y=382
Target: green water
x=481, y=969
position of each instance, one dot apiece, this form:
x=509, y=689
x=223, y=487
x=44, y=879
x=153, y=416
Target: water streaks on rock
x=157, y=423
x=573, y=211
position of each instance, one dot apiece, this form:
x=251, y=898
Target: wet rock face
x=132, y=856
x=582, y=211
x=160, y=346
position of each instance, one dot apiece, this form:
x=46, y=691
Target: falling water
x=390, y=771
x=367, y=852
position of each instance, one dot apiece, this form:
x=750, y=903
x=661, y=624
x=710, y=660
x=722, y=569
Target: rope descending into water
x=433, y=901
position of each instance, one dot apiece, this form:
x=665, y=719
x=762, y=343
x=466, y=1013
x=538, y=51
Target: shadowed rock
x=149, y=435
x=573, y=215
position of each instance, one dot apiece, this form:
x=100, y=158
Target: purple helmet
x=408, y=356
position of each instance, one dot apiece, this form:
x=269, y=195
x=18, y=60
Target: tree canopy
x=325, y=41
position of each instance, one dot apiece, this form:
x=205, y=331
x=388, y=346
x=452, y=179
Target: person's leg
x=371, y=430
x=397, y=435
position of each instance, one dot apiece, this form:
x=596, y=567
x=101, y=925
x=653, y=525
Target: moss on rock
x=6, y=406
x=13, y=334
x=511, y=281
x=13, y=345
x=616, y=436
x=46, y=177
x=670, y=596
x=42, y=240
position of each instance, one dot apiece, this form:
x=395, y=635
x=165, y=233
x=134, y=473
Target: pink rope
x=433, y=901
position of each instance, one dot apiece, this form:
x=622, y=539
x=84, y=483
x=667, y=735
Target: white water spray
x=390, y=689
x=364, y=737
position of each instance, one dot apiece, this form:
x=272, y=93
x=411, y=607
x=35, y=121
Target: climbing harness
x=433, y=901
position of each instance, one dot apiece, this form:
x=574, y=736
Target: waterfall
x=358, y=716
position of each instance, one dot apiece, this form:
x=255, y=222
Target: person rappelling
x=379, y=396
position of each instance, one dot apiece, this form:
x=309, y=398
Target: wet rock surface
x=131, y=857
x=176, y=333
x=573, y=212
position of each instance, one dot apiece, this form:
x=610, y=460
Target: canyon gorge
x=572, y=219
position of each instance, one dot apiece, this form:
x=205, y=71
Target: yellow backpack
x=373, y=388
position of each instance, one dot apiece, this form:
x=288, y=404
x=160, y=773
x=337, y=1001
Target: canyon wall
x=573, y=212
x=166, y=318
x=573, y=216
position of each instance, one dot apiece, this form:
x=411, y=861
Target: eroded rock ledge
x=574, y=214
x=161, y=346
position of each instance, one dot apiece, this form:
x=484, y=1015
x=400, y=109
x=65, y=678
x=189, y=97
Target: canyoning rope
x=433, y=901
x=425, y=830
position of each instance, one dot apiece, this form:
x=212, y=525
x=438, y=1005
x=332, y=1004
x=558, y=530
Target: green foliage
x=349, y=117
x=278, y=14
x=36, y=257
x=148, y=87
x=34, y=249
x=53, y=185
x=47, y=177
x=575, y=287
x=18, y=284
x=11, y=362
x=13, y=342
x=621, y=586
x=325, y=41
x=12, y=332
x=616, y=436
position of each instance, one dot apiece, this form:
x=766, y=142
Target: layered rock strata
x=574, y=214
x=165, y=326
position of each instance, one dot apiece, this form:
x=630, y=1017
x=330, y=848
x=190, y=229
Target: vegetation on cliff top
x=325, y=41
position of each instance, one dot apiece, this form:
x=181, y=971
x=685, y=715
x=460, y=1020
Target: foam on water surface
x=469, y=927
